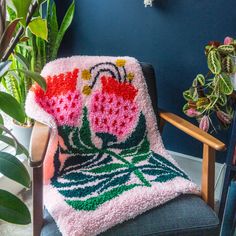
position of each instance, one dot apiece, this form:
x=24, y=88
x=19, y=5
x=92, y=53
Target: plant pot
x=22, y=134
x=233, y=76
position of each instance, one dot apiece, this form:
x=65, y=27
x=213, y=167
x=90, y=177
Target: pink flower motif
x=204, y=123
x=224, y=117
x=113, y=109
x=228, y=40
x=61, y=100
x=191, y=112
x=66, y=109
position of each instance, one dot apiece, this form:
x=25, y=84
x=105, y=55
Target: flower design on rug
x=93, y=174
x=61, y=99
x=113, y=109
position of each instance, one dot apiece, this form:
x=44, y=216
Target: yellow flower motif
x=86, y=75
x=130, y=76
x=86, y=90
x=120, y=62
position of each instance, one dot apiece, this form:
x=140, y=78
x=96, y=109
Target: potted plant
x=38, y=46
x=12, y=208
x=210, y=95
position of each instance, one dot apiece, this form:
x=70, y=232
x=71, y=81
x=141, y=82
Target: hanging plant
x=210, y=95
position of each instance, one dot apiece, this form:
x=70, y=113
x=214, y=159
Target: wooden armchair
x=40, y=138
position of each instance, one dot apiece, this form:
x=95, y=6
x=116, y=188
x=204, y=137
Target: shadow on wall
x=171, y=36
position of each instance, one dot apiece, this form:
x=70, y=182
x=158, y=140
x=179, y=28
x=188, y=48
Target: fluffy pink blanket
x=106, y=162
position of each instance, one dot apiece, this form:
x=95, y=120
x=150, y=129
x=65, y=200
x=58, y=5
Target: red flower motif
x=61, y=99
x=113, y=110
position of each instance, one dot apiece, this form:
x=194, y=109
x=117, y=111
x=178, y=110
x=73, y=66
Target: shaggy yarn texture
x=106, y=162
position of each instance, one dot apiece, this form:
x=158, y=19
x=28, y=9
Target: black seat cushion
x=185, y=215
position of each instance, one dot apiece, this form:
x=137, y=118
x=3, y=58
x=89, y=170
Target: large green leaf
x=38, y=27
x=36, y=77
x=10, y=106
x=21, y=8
x=188, y=95
x=222, y=100
x=11, y=167
x=226, y=49
x=22, y=60
x=7, y=36
x=12, y=209
x=1, y=123
x=200, y=79
x=4, y=66
x=66, y=22
x=213, y=61
x=225, y=84
x=12, y=141
x=52, y=28
x=228, y=65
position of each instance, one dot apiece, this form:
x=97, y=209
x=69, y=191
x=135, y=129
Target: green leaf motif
x=85, y=133
x=13, y=210
x=11, y=167
x=92, y=203
x=38, y=27
x=213, y=61
x=92, y=176
x=164, y=170
x=108, y=168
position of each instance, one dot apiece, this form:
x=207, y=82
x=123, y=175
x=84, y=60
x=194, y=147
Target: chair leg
x=37, y=200
x=208, y=175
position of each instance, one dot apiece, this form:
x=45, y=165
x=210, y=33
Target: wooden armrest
x=38, y=144
x=192, y=130
x=210, y=144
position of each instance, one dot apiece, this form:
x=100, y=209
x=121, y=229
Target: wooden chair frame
x=39, y=143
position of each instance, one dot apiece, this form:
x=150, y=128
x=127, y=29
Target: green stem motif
x=137, y=172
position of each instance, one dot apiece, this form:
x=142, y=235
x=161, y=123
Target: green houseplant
x=210, y=95
x=39, y=45
x=23, y=52
x=12, y=209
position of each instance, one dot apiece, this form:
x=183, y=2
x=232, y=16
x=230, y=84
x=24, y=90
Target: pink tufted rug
x=106, y=162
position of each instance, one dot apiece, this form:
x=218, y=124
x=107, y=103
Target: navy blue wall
x=171, y=36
